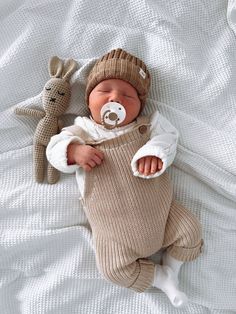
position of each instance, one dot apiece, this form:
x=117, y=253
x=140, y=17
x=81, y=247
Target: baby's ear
x=70, y=66
x=55, y=67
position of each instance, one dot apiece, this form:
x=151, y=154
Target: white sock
x=164, y=279
x=173, y=263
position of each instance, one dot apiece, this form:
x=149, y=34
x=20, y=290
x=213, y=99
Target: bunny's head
x=57, y=91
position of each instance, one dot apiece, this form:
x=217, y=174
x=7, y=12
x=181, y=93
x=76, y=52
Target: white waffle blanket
x=47, y=261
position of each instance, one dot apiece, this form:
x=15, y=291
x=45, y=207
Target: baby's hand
x=85, y=156
x=149, y=165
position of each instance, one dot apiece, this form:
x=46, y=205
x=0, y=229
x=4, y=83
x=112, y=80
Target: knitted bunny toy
x=55, y=100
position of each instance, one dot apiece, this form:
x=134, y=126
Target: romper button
x=142, y=129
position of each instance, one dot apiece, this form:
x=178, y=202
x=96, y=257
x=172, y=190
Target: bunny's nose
x=52, y=99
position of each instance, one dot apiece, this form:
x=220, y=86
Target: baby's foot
x=176, y=297
x=165, y=280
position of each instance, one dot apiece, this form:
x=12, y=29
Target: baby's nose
x=114, y=97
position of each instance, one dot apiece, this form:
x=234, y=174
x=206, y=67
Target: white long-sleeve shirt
x=162, y=144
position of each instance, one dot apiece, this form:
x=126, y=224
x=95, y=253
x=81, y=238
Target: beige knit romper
x=131, y=217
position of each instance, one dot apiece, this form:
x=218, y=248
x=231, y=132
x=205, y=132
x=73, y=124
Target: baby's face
x=114, y=90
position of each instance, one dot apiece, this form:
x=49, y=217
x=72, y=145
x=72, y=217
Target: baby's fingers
x=154, y=165
x=160, y=164
x=147, y=165
x=97, y=160
x=141, y=163
x=91, y=163
x=87, y=167
x=99, y=154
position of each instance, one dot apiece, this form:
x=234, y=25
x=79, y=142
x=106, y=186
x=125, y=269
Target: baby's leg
x=183, y=236
x=183, y=241
x=120, y=265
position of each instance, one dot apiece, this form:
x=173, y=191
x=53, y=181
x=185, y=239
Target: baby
x=120, y=158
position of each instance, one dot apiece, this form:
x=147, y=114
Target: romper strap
x=80, y=132
x=142, y=126
x=143, y=120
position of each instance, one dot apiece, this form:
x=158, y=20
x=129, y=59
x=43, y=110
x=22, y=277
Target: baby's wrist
x=71, y=153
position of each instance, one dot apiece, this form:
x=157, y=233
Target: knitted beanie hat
x=119, y=64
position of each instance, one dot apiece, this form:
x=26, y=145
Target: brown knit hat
x=119, y=64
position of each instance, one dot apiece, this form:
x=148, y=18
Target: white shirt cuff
x=151, y=151
x=57, y=156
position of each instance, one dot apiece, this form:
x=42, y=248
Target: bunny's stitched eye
x=61, y=93
x=48, y=88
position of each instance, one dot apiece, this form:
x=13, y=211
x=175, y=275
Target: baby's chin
x=128, y=121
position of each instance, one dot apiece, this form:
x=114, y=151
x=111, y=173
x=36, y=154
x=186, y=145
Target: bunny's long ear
x=70, y=66
x=55, y=67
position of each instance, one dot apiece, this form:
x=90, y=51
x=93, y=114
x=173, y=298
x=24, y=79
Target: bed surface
x=47, y=261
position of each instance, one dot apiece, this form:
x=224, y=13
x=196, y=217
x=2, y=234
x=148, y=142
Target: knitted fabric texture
x=119, y=64
x=132, y=218
x=55, y=100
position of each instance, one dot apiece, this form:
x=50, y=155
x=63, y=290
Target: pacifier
x=112, y=114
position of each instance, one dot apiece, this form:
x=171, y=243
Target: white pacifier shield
x=112, y=114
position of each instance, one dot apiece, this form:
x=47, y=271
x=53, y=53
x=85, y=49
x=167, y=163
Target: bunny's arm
x=60, y=125
x=30, y=112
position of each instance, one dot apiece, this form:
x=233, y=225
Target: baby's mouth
x=112, y=114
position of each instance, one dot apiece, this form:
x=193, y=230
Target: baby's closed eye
x=128, y=96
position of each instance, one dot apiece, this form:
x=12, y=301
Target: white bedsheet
x=47, y=262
